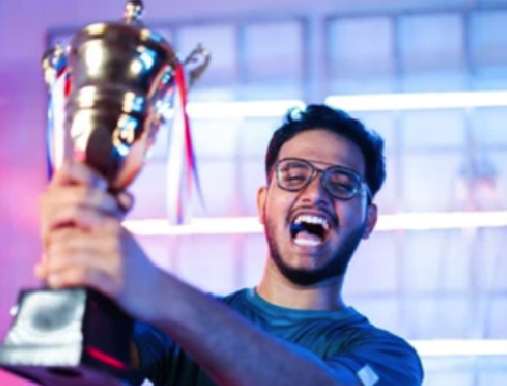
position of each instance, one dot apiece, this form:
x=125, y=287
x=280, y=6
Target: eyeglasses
x=294, y=174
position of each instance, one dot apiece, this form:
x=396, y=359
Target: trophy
x=110, y=91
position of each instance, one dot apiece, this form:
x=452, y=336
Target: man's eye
x=295, y=178
x=343, y=187
x=341, y=179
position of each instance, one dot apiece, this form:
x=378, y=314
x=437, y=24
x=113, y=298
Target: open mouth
x=309, y=230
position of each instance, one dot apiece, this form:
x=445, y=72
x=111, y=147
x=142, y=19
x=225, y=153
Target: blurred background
x=439, y=281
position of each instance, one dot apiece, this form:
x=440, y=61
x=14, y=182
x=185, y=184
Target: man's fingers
x=76, y=173
x=40, y=271
x=125, y=201
x=71, y=217
x=68, y=242
x=77, y=206
x=80, y=269
x=91, y=229
x=80, y=276
x=83, y=195
x=78, y=257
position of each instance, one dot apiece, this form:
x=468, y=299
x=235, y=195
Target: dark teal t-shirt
x=339, y=338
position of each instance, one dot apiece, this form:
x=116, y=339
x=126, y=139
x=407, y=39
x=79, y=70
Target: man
x=323, y=169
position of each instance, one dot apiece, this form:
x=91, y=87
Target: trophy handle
x=54, y=61
x=197, y=62
x=133, y=11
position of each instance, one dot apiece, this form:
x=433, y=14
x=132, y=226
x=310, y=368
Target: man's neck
x=278, y=290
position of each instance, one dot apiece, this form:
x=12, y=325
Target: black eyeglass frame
x=361, y=183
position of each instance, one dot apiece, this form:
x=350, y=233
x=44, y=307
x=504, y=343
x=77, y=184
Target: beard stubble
x=334, y=268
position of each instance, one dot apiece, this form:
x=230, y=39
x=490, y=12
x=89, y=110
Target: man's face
x=329, y=229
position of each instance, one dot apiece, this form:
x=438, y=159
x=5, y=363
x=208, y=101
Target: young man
x=323, y=169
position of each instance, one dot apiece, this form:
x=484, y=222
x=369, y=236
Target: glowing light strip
x=224, y=225
x=274, y=108
x=392, y=222
x=420, y=101
x=441, y=220
x=460, y=347
x=373, y=102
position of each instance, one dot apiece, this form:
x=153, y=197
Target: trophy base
x=68, y=336
x=64, y=376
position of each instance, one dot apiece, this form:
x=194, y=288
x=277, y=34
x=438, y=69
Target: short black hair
x=336, y=121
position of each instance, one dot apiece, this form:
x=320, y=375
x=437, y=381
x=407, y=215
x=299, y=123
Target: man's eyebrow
x=330, y=164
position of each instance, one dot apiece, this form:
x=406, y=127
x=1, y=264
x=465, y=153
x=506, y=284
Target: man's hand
x=86, y=245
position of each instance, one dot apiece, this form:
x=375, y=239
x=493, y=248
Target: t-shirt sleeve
x=155, y=350
x=380, y=358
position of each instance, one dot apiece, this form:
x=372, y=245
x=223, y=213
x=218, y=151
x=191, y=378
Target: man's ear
x=371, y=220
x=261, y=202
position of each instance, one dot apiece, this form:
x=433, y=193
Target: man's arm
x=85, y=244
x=234, y=352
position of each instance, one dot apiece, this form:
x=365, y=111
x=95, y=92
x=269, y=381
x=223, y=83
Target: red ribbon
x=182, y=90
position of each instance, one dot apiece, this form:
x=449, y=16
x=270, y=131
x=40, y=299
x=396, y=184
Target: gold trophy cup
x=115, y=81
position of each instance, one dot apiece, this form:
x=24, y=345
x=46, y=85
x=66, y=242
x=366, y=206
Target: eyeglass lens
x=295, y=174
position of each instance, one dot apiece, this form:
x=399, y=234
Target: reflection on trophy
x=108, y=94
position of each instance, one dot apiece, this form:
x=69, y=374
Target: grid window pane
x=361, y=55
x=274, y=51
x=488, y=43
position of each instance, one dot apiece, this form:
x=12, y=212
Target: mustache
x=330, y=214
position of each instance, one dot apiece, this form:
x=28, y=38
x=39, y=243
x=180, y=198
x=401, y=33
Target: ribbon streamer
x=182, y=165
x=58, y=94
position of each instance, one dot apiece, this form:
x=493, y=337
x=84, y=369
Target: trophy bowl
x=118, y=76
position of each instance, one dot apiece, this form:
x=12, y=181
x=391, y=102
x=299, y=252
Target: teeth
x=307, y=242
x=312, y=220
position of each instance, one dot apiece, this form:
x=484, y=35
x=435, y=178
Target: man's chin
x=309, y=277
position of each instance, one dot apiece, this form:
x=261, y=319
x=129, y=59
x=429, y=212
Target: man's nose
x=315, y=190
